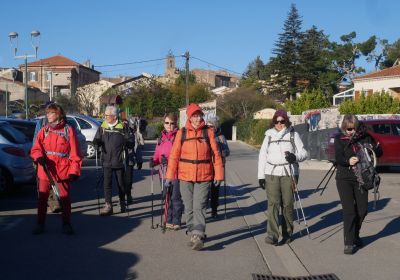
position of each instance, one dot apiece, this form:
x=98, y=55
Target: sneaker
x=176, y=227
x=107, y=210
x=169, y=226
x=67, y=229
x=271, y=241
x=358, y=242
x=349, y=249
x=39, y=229
x=198, y=243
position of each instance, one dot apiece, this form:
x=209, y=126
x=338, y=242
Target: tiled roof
x=388, y=72
x=57, y=60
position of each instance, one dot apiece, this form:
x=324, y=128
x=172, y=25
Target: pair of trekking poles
x=100, y=178
x=165, y=200
x=297, y=202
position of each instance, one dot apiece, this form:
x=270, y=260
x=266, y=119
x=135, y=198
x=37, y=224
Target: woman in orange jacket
x=195, y=156
x=56, y=148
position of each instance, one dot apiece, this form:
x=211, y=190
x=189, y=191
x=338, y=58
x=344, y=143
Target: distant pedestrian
x=195, y=156
x=224, y=151
x=281, y=151
x=57, y=149
x=113, y=138
x=160, y=157
x=354, y=199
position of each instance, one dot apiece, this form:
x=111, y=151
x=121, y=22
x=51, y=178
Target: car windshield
x=12, y=134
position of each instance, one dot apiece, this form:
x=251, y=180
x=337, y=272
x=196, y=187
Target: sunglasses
x=281, y=122
x=171, y=123
x=350, y=129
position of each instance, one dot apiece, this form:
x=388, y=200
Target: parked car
x=16, y=166
x=27, y=127
x=41, y=121
x=384, y=131
x=88, y=127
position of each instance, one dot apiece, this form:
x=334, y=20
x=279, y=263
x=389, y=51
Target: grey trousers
x=195, y=196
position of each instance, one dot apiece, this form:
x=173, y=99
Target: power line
x=223, y=68
x=134, y=62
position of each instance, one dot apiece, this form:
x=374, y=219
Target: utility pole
x=6, y=100
x=187, y=78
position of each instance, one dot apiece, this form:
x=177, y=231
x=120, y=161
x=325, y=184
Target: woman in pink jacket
x=160, y=157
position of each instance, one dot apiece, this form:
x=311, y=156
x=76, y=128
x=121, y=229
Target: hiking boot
x=129, y=198
x=198, y=242
x=38, y=229
x=271, y=241
x=358, y=242
x=191, y=241
x=286, y=240
x=349, y=249
x=107, y=210
x=123, y=207
x=67, y=229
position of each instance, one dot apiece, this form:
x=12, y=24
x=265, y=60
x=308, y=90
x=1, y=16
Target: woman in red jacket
x=57, y=148
x=195, y=156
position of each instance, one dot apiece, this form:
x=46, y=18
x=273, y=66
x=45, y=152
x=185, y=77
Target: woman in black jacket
x=354, y=199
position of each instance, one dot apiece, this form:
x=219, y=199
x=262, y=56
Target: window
x=32, y=76
x=396, y=128
x=381, y=128
x=83, y=124
x=48, y=76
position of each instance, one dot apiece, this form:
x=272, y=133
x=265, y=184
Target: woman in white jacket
x=280, y=153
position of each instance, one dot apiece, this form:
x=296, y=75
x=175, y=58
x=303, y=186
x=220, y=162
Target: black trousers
x=119, y=173
x=355, y=208
x=128, y=179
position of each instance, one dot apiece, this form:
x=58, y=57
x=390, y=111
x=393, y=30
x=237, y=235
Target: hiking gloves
x=41, y=161
x=139, y=165
x=168, y=183
x=261, y=183
x=290, y=157
x=164, y=160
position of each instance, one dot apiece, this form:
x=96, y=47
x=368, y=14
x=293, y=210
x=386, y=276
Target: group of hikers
x=191, y=164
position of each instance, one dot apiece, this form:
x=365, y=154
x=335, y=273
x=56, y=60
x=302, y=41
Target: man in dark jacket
x=113, y=139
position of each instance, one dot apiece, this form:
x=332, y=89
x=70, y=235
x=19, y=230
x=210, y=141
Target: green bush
x=153, y=130
x=377, y=103
x=252, y=131
x=314, y=99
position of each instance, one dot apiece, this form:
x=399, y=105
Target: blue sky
x=229, y=34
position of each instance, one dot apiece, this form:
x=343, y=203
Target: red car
x=384, y=131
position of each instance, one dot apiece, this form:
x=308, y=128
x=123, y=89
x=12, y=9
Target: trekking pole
x=299, y=199
x=152, y=198
x=54, y=185
x=224, y=192
x=97, y=183
x=297, y=212
x=162, y=197
x=329, y=178
x=126, y=166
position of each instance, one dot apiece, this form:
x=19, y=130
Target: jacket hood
x=193, y=107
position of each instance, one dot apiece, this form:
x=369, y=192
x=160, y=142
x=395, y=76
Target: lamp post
x=35, y=38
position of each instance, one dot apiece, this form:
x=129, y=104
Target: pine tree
x=286, y=62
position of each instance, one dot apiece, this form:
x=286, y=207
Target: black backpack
x=366, y=173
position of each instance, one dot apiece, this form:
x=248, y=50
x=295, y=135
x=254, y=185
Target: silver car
x=16, y=166
x=88, y=126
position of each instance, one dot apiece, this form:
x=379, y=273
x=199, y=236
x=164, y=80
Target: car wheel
x=91, y=151
x=5, y=181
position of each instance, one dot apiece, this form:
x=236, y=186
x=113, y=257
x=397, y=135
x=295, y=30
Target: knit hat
x=192, y=108
x=280, y=113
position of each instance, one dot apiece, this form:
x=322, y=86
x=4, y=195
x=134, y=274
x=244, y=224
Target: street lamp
x=35, y=40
